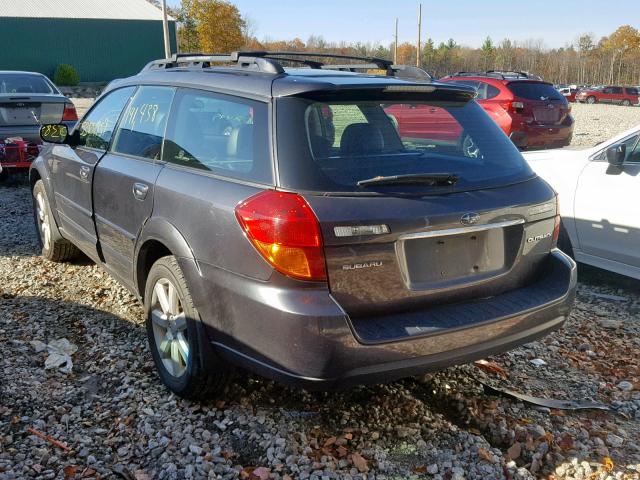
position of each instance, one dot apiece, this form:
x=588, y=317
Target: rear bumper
x=542, y=136
x=303, y=337
x=19, y=156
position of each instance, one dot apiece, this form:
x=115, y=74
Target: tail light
x=513, y=107
x=69, y=112
x=286, y=232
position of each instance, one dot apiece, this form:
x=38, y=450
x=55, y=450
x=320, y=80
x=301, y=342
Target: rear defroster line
x=546, y=402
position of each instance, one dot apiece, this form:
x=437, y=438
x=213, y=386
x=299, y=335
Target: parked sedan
x=28, y=100
x=599, y=191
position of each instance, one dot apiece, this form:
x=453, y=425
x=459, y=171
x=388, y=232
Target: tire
x=53, y=246
x=174, y=335
x=592, y=100
x=626, y=103
x=564, y=242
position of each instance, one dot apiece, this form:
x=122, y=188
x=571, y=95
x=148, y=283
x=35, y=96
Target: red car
x=610, y=94
x=530, y=111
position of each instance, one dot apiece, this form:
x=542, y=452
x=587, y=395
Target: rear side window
x=222, y=134
x=96, y=128
x=616, y=90
x=142, y=126
x=632, y=91
x=350, y=141
x=23, y=83
x=485, y=91
x=534, y=91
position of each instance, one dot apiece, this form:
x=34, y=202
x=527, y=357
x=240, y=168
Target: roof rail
x=501, y=74
x=270, y=62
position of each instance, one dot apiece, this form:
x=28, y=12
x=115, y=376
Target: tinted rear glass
x=534, y=91
x=343, y=142
x=632, y=91
x=24, y=83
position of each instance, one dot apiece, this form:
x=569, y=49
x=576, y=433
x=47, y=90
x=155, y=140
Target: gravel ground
x=597, y=123
x=109, y=417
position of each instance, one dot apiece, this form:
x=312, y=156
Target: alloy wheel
x=170, y=327
x=43, y=221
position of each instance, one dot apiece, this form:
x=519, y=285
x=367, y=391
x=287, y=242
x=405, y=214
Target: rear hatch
x=20, y=110
x=540, y=100
x=28, y=99
x=412, y=215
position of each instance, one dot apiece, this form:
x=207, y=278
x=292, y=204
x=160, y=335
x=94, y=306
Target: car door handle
x=140, y=190
x=84, y=172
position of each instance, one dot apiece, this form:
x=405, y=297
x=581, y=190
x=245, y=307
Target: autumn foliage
x=218, y=25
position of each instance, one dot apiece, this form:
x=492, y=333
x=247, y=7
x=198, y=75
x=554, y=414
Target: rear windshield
x=11, y=83
x=330, y=146
x=534, y=91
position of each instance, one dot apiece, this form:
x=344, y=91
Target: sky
x=468, y=22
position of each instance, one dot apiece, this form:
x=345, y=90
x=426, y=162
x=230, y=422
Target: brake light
x=286, y=232
x=69, y=112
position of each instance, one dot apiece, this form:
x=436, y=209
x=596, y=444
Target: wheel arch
x=157, y=239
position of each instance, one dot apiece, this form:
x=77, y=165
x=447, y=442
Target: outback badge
x=469, y=218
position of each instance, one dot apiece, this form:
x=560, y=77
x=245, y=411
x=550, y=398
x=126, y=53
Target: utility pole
x=419, y=34
x=165, y=30
x=395, y=45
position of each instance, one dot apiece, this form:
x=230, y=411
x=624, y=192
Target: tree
x=219, y=25
x=624, y=40
x=187, y=32
x=488, y=53
x=406, y=54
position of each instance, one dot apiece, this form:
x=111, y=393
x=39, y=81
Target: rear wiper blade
x=432, y=179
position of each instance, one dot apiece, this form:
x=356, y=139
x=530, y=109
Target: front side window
x=222, y=134
x=141, y=129
x=96, y=128
x=633, y=151
x=630, y=143
x=351, y=141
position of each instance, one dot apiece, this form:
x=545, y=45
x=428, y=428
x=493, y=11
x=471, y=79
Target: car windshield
x=12, y=83
x=534, y=91
x=349, y=142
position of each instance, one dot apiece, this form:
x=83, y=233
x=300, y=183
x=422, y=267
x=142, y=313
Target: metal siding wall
x=100, y=50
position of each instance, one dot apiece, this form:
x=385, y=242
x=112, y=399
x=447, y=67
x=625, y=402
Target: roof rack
x=270, y=62
x=501, y=74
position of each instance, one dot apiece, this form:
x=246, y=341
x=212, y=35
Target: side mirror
x=54, y=133
x=616, y=154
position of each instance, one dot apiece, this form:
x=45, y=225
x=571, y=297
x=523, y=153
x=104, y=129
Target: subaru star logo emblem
x=469, y=218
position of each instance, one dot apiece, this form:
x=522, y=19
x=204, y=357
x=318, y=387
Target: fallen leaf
x=260, y=473
x=342, y=452
x=491, y=367
x=566, y=442
x=330, y=441
x=514, y=451
x=360, y=462
x=421, y=469
x=348, y=436
x=485, y=454
x=69, y=471
x=607, y=464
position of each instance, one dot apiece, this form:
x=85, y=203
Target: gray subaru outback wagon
x=316, y=224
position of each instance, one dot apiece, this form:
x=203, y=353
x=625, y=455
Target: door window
x=219, y=133
x=141, y=129
x=616, y=90
x=634, y=155
x=629, y=142
x=96, y=129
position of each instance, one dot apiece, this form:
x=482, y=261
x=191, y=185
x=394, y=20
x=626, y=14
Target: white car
x=599, y=194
